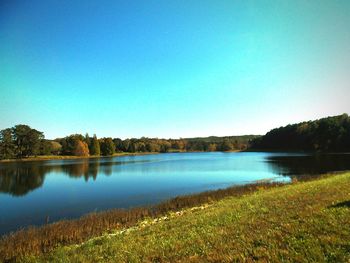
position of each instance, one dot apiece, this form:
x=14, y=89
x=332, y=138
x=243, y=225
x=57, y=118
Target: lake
x=31, y=191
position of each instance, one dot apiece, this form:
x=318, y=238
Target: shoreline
x=293, y=151
x=71, y=157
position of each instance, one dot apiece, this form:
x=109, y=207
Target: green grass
x=302, y=222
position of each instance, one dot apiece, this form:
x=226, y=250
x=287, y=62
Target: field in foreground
x=303, y=222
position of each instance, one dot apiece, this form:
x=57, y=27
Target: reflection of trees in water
x=20, y=179
x=93, y=169
x=85, y=168
x=77, y=170
x=299, y=166
x=106, y=168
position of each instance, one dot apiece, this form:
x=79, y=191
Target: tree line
x=326, y=135
x=22, y=141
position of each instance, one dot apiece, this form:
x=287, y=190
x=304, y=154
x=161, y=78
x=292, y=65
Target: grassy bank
x=302, y=222
x=38, y=240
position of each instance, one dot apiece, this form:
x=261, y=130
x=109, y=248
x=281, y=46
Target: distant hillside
x=216, y=139
x=214, y=143
x=326, y=134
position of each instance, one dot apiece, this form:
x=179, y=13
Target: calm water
x=59, y=189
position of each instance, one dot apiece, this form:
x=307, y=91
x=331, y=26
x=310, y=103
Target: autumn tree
x=212, y=147
x=69, y=143
x=81, y=149
x=178, y=145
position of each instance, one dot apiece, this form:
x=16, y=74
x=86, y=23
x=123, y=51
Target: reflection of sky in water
x=69, y=188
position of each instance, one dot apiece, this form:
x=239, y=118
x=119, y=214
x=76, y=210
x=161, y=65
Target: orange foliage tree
x=81, y=149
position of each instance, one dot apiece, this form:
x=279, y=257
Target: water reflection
x=308, y=165
x=18, y=179
x=84, y=169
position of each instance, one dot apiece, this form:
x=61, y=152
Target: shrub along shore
x=269, y=222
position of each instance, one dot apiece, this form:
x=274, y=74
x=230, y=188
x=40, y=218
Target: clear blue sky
x=172, y=68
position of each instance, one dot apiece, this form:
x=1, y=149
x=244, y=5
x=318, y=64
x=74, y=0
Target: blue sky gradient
x=172, y=68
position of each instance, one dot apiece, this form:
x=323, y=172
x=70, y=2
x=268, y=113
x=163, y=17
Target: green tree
x=152, y=147
x=46, y=147
x=87, y=140
x=7, y=146
x=118, y=144
x=56, y=147
x=326, y=134
x=27, y=140
x=107, y=146
x=95, y=146
x=132, y=147
x=141, y=147
x=125, y=145
x=226, y=145
x=165, y=146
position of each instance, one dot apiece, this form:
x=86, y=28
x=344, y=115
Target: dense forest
x=331, y=134
x=22, y=141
